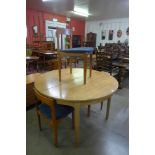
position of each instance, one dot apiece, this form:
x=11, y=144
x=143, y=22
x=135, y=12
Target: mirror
x=119, y=33
x=35, y=30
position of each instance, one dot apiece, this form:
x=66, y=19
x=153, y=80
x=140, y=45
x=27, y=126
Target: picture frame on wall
x=35, y=30
x=103, y=34
x=119, y=33
x=111, y=33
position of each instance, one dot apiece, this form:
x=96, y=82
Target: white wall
x=111, y=24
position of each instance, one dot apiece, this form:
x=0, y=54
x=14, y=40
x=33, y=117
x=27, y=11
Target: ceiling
x=99, y=9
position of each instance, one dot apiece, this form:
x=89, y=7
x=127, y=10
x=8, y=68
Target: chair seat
x=61, y=110
x=88, y=50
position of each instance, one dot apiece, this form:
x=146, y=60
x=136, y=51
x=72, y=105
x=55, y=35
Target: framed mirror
x=35, y=30
x=119, y=33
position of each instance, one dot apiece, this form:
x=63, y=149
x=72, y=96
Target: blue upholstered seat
x=61, y=110
x=88, y=50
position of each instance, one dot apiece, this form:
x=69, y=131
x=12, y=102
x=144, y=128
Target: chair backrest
x=30, y=97
x=43, y=99
x=104, y=61
x=48, y=101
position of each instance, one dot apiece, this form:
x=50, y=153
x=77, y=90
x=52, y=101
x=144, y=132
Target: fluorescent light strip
x=81, y=14
x=46, y=0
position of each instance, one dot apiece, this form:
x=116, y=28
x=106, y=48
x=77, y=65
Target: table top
x=32, y=58
x=31, y=77
x=72, y=89
x=46, y=52
x=88, y=50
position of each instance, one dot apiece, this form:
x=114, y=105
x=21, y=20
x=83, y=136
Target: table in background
x=45, y=54
x=83, y=52
x=31, y=59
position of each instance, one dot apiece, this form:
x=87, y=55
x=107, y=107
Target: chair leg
x=73, y=120
x=101, y=105
x=55, y=129
x=39, y=121
x=88, y=113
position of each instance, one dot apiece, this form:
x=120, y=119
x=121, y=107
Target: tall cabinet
x=91, y=39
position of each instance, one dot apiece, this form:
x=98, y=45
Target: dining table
x=45, y=53
x=30, y=59
x=72, y=92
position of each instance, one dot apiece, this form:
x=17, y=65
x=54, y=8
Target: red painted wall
x=34, y=17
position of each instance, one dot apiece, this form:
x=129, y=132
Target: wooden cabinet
x=91, y=39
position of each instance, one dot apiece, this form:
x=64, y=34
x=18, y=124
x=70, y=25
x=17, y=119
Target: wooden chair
x=52, y=113
x=30, y=96
x=104, y=62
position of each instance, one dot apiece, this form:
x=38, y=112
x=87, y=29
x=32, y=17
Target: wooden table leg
x=37, y=66
x=121, y=76
x=108, y=108
x=59, y=65
x=70, y=63
x=77, y=123
x=85, y=68
x=90, y=74
x=44, y=62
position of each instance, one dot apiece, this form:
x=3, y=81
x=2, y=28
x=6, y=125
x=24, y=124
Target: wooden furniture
x=91, y=39
x=32, y=60
x=76, y=41
x=104, y=62
x=72, y=92
x=123, y=68
x=54, y=64
x=52, y=112
x=43, y=44
x=82, y=52
x=30, y=97
x=44, y=54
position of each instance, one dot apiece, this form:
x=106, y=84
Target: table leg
x=90, y=74
x=85, y=68
x=36, y=63
x=121, y=76
x=108, y=108
x=70, y=63
x=59, y=66
x=44, y=62
x=77, y=123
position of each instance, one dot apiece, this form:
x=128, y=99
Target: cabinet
x=76, y=41
x=91, y=39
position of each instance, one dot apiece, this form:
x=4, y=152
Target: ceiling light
x=82, y=11
x=81, y=14
x=46, y=0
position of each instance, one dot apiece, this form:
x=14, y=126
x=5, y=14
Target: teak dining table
x=71, y=90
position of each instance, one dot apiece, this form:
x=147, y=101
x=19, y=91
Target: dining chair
x=104, y=60
x=52, y=113
x=30, y=96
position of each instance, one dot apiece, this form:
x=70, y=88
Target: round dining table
x=71, y=90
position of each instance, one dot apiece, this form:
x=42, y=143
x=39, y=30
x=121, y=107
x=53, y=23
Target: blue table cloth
x=88, y=50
